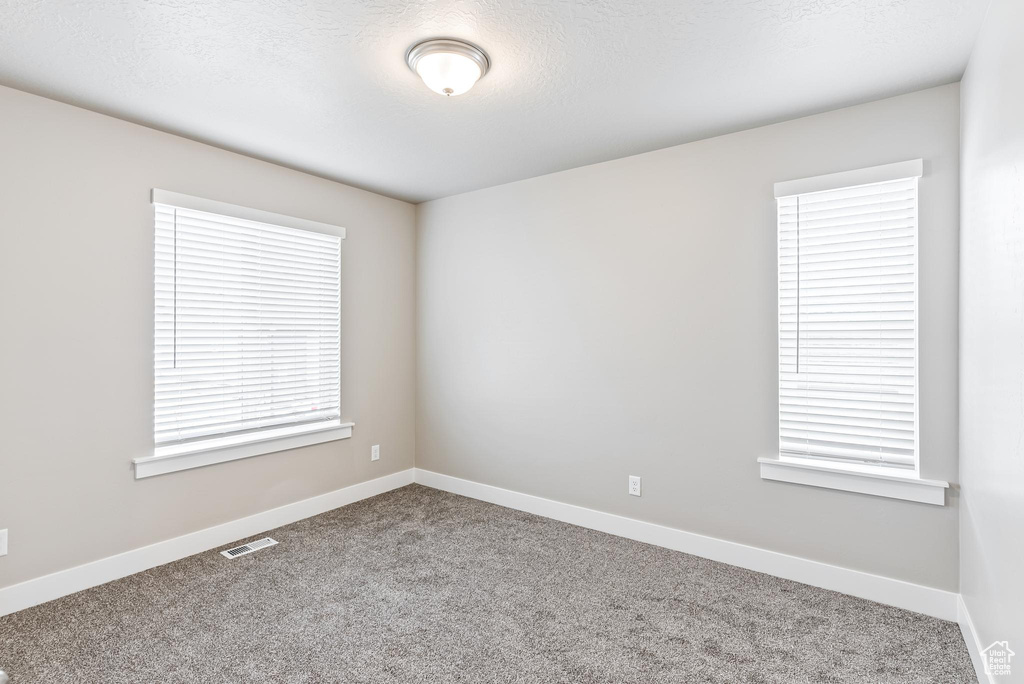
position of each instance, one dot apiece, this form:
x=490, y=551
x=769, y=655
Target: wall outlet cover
x=3, y=542
x=634, y=485
x=375, y=452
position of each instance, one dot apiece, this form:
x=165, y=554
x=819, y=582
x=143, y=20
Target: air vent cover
x=248, y=548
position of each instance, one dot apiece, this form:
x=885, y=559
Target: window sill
x=169, y=459
x=863, y=480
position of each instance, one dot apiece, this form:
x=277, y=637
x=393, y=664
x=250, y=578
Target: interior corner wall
x=620, y=319
x=76, y=348
x=992, y=331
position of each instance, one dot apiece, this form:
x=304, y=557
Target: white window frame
x=854, y=477
x=219, y=449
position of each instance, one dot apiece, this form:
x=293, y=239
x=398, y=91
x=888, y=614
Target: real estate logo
x=997, y=658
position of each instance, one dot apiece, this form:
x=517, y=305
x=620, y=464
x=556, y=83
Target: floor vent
x=248, y=548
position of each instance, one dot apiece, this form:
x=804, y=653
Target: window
x=847, y=323
x=247, y=330
x=847, y=259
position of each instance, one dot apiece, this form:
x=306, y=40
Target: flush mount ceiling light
x=448, y=67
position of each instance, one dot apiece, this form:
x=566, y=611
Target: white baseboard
x=893, y=592
x=974, y=646
x=33, y=592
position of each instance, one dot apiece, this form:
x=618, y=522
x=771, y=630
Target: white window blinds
x=247, y=325
x=848, y=323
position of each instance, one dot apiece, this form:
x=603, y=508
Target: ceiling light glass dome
x=448, y=67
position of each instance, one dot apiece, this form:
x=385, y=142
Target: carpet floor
x=418, y=585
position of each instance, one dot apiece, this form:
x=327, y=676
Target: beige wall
x=76, y=359
x=620, y=319
x=992, y=331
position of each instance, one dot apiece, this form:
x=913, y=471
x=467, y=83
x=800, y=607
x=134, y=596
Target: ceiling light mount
x=448, y=66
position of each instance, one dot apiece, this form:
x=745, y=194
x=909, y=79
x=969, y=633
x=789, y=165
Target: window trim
x=177, y=199
x=913, y=168
x=204, y=452
x=853, y=477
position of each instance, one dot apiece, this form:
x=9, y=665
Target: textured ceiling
x=322, y=86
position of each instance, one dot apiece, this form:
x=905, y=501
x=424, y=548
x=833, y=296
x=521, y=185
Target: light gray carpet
x=422, y=586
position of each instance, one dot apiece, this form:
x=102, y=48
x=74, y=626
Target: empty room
x=574, y=341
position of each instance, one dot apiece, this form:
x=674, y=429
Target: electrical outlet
x=375, y=452
x=3, y=542
x=634, y=485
